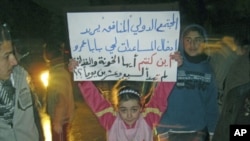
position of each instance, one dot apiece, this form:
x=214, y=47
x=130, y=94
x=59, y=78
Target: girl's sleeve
x=97, y=103
x=158, y=103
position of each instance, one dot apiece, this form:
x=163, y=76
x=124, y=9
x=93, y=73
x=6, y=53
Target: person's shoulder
x=19, y=68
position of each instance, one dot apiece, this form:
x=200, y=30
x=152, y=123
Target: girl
x=128, y=119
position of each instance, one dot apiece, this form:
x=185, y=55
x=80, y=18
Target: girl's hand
x=72, y=64
x=177, y=57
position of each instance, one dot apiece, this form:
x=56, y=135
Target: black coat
x=235, y=110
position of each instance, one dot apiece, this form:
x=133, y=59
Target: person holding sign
x=128, y=118
x=192, y=105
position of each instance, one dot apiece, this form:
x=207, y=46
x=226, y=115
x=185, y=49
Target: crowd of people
x=200, y=106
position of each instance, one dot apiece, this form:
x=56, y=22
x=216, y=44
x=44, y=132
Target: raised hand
x=177, y=57
x=72, y=64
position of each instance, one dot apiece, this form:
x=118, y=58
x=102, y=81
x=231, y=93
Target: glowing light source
x=46, y=127
x=44, y=77
x=45, y=118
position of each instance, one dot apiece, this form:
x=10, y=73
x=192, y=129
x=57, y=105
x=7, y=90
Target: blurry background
x=33, y=21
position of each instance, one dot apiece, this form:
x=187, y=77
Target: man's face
x=7, y=59
x=193, y=43
x=129, y=111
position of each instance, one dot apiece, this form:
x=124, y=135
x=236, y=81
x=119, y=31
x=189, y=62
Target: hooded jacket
x=26, y=125
x=193, y=101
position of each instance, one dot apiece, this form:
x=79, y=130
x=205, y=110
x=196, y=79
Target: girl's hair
x=124, y=93
x=127, y=93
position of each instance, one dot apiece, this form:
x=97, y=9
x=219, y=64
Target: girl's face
x=193, y=42
x=129, y=111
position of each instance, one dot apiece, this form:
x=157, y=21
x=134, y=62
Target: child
x=128, y=119
x=192, y=105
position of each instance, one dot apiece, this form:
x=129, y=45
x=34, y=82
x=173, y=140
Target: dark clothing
x=196, y=136
x=192, y=105
x=37, y=116
x=236, y=110
x=236, y=105
x=62, y=136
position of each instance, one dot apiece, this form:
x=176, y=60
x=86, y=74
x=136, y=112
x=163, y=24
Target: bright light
x=46, y=127
x=44, y=77
x=45, y=118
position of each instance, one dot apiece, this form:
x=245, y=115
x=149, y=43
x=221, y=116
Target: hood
x=202, y=31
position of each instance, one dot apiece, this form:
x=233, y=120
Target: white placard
x=131, y=45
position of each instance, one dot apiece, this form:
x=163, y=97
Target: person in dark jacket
x=236, y=104
x=193, y=109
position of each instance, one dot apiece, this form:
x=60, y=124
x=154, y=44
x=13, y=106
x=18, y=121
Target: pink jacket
x=110, y=120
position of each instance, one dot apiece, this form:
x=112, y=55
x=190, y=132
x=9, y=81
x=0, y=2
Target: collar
x=196, y=59
x=130, y=127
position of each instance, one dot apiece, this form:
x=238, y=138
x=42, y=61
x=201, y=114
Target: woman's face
x=193, y=43
x=129, y=111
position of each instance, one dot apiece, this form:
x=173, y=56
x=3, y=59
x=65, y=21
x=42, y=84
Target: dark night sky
x=28, y=19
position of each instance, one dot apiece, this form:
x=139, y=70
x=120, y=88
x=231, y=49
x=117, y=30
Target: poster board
x=124, y=45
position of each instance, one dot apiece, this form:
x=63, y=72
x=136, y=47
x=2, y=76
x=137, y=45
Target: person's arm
x=158, y=102
x=59, y=114
x=61, y=93
x=98, y=104
x=212, y=109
